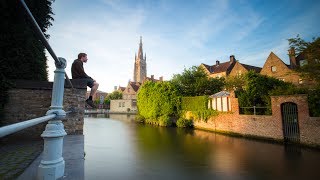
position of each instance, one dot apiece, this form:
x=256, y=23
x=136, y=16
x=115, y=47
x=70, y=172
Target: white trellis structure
x=220, y=101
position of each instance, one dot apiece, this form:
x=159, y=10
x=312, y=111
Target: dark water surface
x=118, y=148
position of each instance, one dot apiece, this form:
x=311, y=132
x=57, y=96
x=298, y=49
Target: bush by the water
x=158, y=102
x=183, y=123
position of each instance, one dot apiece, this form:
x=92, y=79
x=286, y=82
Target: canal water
x=118, y=148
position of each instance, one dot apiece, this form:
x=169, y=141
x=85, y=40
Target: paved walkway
x=15, y=157
x=73, y=154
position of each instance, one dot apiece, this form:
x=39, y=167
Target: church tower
x=140, y=65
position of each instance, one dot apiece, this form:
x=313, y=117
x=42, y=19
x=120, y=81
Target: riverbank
x=106, y=111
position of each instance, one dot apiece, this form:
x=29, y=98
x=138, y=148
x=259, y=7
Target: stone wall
x=269, y=127
x=31, y=99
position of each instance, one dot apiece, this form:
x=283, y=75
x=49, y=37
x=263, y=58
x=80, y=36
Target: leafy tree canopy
x=311, y=53
x=22, y=56
x=195, y=82
x=113, y=95
x=256, y=89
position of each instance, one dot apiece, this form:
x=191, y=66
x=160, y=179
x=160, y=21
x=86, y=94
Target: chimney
x=232, y=59
x=161, y=78
x=292, y=57
x=152, y=77
x=217, y=62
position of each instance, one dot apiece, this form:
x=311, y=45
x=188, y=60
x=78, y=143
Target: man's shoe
x=90, y=103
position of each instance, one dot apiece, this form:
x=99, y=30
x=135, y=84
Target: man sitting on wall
x=78, y=73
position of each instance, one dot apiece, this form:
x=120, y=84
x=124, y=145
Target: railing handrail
x=255, y=107
x=10, y=129
x=43, y=38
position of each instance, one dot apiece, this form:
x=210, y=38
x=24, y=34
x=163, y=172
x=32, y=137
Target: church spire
x=140, y=52
x=140, y=65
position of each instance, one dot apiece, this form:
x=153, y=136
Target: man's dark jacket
x=77, y=70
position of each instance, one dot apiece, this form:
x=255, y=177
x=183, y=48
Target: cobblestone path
x=16, y=157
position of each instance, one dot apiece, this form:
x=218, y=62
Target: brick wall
x=31, y=99
x=269, y=127
x=238, y=69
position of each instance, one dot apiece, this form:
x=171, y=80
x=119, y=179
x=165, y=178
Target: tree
x=195, y=82
x=113, y=95
x=22, y=56
x=311, y=53
x=257, y=88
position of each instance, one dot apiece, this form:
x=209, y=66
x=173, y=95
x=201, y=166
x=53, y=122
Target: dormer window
x=273, y=68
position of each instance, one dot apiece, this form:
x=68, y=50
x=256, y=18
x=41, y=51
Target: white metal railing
x=6, y=130
x=52, y=165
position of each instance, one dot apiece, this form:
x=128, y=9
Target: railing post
x=52, y=164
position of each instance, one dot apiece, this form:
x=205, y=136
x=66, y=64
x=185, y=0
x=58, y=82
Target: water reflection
x=117, y=148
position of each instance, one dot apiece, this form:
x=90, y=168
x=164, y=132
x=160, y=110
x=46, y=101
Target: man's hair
x=80, y=55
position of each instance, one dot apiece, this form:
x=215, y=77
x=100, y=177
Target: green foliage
x=115, y=95
x=256, y=91
x=204, y=114
x=198, y=106
x=194, y=103
x=184, y=123
x=311, y=53
x=314, y=102
x=195, y=82
x=235, y=82
x=164, y=121
x=22, y=54
x=158, y=100
x=111, y=96
x=139, y=118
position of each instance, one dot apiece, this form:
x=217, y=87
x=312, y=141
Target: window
x=134, y=102
x=122, y=104
x=119, y=104
x=239, y=73
x=273, y=68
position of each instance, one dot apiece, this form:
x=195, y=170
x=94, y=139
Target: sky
x=176, y=34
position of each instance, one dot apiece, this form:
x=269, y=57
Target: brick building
x=276, y=68
x=219, y=69
x=239, y=69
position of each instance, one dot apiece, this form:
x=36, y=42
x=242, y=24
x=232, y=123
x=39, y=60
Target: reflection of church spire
x=140, y=65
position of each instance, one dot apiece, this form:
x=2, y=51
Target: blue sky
x=176, y=34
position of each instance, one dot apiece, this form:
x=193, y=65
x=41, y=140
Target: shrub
x=183, y=123
x=164, y=121
x=158, y=101
x=140, y=118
